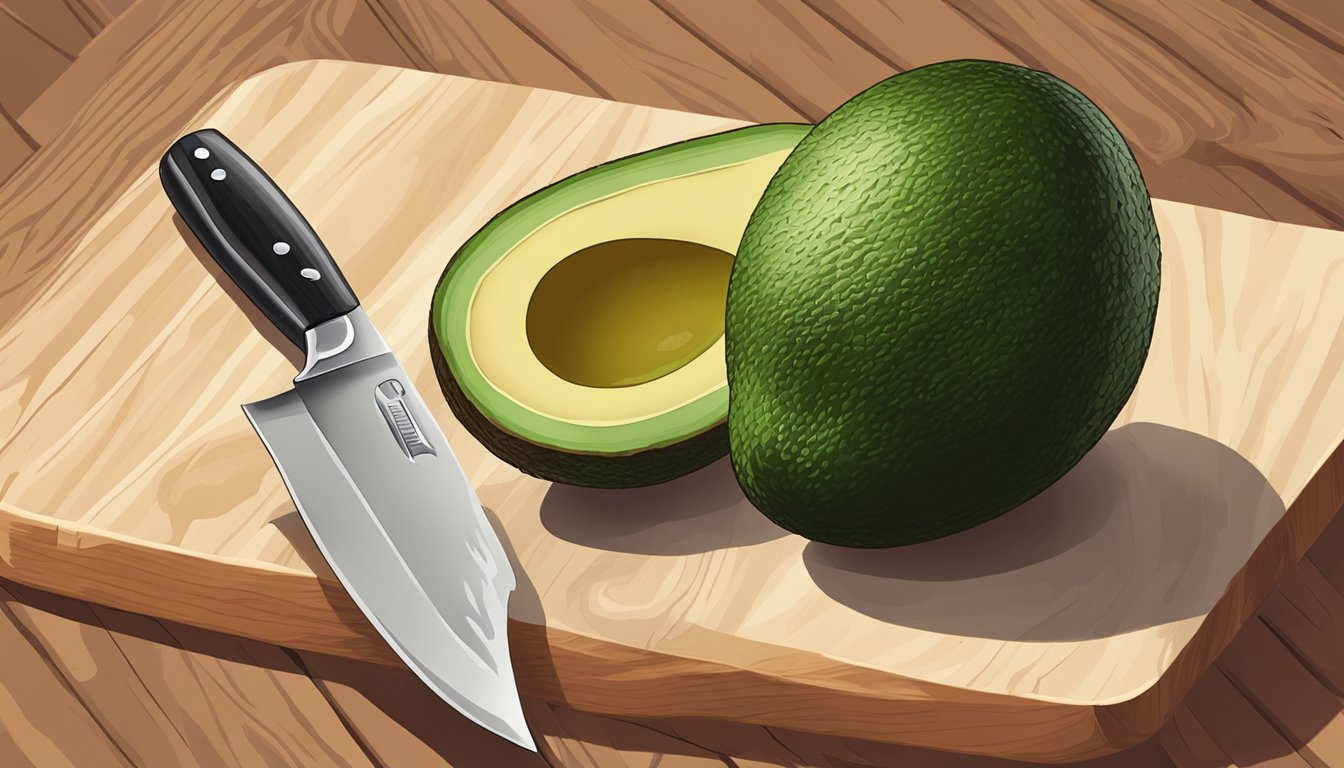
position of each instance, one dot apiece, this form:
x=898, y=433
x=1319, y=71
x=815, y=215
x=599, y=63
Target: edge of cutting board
x=313, y=613
x=297, y=609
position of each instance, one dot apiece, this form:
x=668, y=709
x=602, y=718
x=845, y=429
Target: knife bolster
x=341, y=341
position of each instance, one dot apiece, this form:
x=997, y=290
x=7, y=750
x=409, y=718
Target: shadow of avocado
x=1147, y=529
x=700, y=512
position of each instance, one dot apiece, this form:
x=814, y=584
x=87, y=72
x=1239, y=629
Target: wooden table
x=1235, y=107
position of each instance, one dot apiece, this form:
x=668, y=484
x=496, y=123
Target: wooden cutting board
x=1068, y=628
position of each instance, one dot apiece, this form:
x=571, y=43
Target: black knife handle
x=254, y=233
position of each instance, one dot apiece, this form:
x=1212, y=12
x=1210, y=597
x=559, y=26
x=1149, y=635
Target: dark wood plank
x=94, y=667
x=15, y=145
x=245, y=701
x=62, y=25
x=102, y=11
x=474, y=38
x=749, y=745
x=402, y=722
x=1187, y=744
x=911, y=35
x=632, y=52
x=1240, y=730
x=167, y=59
x=1269, y=93
x=24, y=49
x=1227, y=106
x=571, y=738
x=1286, y=694
x=1327, y=554
x=1320, y=21
x=787, y=47
x=44, y=721
x=1307, y=614
x=167, y=694
x=39, y=39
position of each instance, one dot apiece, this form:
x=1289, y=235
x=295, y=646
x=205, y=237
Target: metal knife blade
x=369, y=470
x=453, y=639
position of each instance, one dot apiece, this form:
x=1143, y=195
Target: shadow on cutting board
x=1147, y=529
x=254, y=315
x=699, y=512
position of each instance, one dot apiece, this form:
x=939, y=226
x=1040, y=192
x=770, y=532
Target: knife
x=369, y=470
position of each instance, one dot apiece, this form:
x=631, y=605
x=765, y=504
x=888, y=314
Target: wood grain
x=39, y=39
x=218, y=43
x=1226, y=394
x=1220, y=103
x=169, y=704
x=1236, y=107
x=15, y=144
x=1306, y=614
x=54, y=729
x=92, y=686
x=815, y=75
x=401, y=723
x=1266, y=92
x=28, y=49
x=476, y=37
x=1291, y=698
x=90, y=662
x=123, y=56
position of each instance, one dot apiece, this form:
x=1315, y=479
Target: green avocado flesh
x=940, y=304
x=579, y=334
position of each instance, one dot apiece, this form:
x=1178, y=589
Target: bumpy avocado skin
x=631, y=470
x=941, y=303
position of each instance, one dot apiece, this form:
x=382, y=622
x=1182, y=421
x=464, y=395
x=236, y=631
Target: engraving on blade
x=447, y=618
x=390, y=396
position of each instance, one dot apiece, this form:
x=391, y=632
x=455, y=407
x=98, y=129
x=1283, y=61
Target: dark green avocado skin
x=941, y=303
x=632, y=470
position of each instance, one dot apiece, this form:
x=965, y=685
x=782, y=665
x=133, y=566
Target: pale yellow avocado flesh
x=594, y=380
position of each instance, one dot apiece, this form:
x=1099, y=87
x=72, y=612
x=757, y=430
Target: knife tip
x=518, y=734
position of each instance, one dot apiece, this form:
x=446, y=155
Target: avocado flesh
x=579, y=334
x=970, y=266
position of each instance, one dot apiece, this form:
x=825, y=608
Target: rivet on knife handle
x=255, y=234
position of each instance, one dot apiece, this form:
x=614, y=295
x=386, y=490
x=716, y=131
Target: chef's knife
x=369, y=470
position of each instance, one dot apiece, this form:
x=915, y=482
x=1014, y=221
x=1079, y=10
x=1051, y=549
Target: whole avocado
x=939, y=305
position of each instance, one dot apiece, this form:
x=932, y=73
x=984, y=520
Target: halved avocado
x=579, y=334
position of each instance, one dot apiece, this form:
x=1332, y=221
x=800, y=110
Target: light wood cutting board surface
x=1069, y=627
